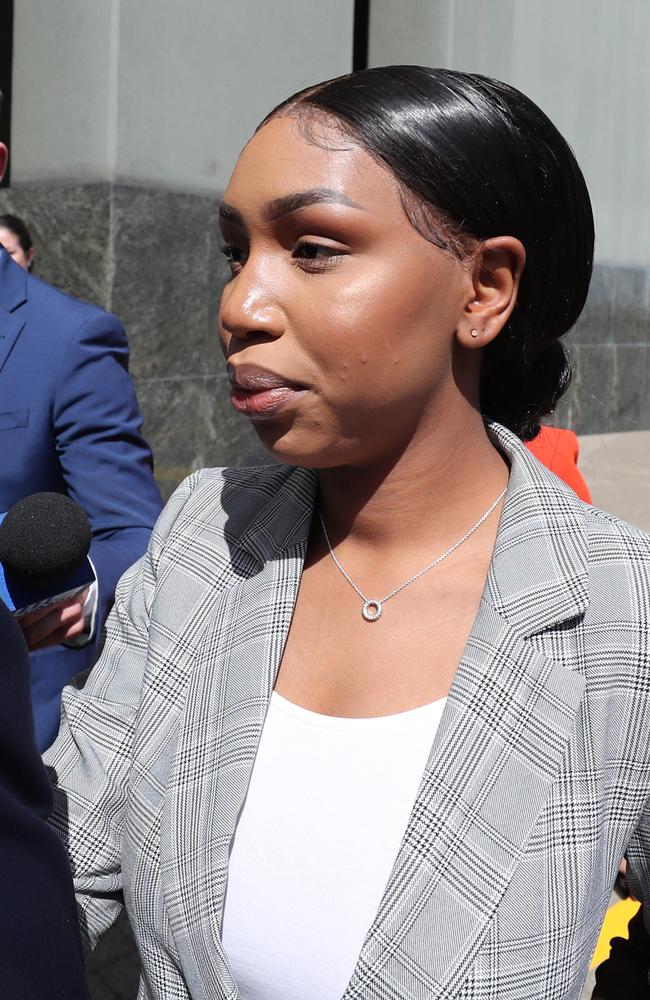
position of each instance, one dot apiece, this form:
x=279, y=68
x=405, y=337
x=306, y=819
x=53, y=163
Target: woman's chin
x=293, y=447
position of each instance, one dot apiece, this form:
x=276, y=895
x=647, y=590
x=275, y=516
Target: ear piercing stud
x=473, y=333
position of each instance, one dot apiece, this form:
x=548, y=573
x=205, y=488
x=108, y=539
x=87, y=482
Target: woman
x=372, y=723
x=17, y=241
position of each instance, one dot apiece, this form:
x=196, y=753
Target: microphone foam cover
x=45, y=536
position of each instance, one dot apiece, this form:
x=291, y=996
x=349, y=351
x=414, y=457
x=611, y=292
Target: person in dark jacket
x=40, y=947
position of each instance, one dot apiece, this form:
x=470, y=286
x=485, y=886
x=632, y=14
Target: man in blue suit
x=70, y=423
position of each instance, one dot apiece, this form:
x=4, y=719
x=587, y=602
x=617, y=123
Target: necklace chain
x=372, y=609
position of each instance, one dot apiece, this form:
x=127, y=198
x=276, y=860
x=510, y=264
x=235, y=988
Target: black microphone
x=44, y=543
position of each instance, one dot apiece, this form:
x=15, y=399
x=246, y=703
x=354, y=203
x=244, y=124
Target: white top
x=326, y=810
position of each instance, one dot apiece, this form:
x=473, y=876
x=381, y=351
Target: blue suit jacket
x=40, y=946
x=70, y=422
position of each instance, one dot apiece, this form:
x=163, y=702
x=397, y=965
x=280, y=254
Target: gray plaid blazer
x=537, y=783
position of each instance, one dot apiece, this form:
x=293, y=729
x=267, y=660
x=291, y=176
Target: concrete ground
x=617, y=470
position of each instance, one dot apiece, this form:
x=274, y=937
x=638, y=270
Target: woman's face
x=339, y=319
x=11, y=243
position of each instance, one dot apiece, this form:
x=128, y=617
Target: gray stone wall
x=153, y=258
x=610, y=350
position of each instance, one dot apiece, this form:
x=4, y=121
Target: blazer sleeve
x=106, y=463
x=90, y=761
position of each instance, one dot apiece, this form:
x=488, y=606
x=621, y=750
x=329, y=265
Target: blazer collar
x=538, y=574
x=13, y=294
x=13, y=283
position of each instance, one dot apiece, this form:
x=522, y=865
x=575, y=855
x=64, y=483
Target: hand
x=51, y=626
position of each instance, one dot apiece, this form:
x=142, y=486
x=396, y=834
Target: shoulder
x=222, y=506
x=611, y=537
x=219, y=528
x=245, y=490
x=618, y=560
x=66, y=316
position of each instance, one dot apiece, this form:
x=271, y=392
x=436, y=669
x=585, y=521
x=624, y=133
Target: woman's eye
x=234, y=256
x=308, y=256
x=316, y=256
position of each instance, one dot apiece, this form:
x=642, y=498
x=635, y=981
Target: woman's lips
x=263, y=402
x=259, y=393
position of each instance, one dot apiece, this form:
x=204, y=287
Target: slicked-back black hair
x=489, y=163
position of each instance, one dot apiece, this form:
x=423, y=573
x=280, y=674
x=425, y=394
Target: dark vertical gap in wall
x=6, y=58
x=360, y=34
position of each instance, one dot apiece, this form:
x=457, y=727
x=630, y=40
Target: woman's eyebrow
x=288, y=203
x=301, y=199
x=230, y=213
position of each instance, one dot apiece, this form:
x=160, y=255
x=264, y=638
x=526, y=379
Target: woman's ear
x=496, y=272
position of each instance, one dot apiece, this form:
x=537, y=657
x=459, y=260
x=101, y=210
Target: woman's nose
x=248, y=309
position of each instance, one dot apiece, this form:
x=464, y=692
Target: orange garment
x=558, y=450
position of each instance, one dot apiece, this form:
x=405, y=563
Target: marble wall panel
x=644, y=416
x=596, y=323
x=630, y=307
x=591, y=394
x=630, y=388
x=190, y=424
x=617, y=309
x=164, y=280
x=70, y=227
x=609, y=347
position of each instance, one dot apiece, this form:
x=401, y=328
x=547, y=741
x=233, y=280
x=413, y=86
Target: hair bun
x=520, y=403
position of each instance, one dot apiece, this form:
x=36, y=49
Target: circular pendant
x=371, y=610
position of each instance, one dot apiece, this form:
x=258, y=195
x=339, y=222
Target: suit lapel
x=539, y=573
x=227, y=701
x=10, y=329
x=13, y=294
x=501, y=741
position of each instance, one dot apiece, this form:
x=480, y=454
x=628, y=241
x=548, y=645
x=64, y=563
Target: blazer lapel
x=10, y=329
x=227, y=701
x=501, y=741
x=13, y=293
x=539, y=572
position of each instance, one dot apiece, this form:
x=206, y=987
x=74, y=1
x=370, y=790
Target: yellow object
x=615, y=924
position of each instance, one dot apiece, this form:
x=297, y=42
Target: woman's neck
x=437, y=487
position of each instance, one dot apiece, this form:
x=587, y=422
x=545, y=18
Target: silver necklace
x=372, y=608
